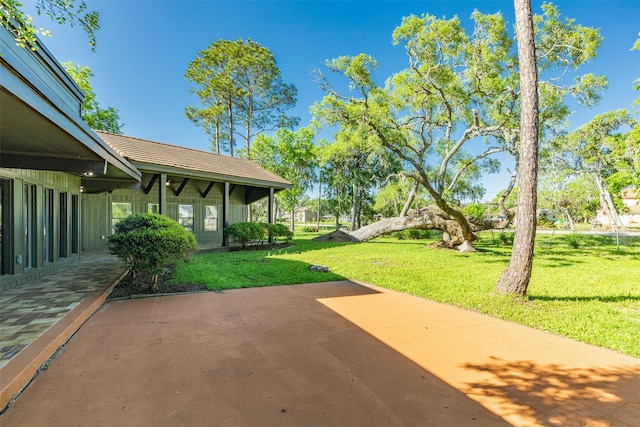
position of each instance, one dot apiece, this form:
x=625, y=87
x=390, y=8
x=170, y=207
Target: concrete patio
x=327, y=354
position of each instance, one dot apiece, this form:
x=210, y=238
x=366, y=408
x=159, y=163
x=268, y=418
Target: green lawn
x=591, y=294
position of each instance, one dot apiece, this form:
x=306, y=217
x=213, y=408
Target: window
x=29, y=217
x=119, y=211
x=153, y=208
x=75, y=224
x=5, y=208
x=47, y=224
x=185, y=216
x=64, y=225
x=210, y=218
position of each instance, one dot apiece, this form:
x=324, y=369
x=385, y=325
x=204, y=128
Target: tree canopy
x=456, y=106
x=292, y=155
x=98, y=118
x=605, y=150
x=61, y=11
x=241, y=93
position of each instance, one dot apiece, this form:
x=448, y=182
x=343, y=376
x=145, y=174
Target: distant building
x=630, y=215
x=305, y=215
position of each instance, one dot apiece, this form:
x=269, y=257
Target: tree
x=292, y=156
x=241, y=93
x=602, y=150
x=355, y=163
x=106, y=119
x=636, y=84
x=515, y=279
x=61, y=11
x=449, y=114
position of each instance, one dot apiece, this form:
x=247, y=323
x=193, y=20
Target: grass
x=591, y=293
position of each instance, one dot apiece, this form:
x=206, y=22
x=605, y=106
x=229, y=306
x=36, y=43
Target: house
x=203, y=191
x=305, y=215
x=630, y=214
x=63, y=186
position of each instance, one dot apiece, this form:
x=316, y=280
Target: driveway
x=325, y=354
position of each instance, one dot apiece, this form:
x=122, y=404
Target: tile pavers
x=27, y=311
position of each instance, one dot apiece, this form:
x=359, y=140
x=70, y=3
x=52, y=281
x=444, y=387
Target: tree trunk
x=292, y=220
x=607, y=203
x=319, y=201
x=410, y=199
x=354, y=208
x=431, y=219
x=427, y=221
x=231, y=125
x=515, y=279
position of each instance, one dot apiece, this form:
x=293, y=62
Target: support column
x=225, y=210
x=162, y=194
x=271, y=211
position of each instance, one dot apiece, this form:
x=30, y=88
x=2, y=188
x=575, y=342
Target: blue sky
x=144, y=47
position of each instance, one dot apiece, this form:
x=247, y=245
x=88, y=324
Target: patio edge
x=20, y=370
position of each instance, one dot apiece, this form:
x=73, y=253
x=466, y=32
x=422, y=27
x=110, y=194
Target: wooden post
x=162, y=194
x=225, y=210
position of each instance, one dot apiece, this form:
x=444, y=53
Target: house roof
x=630, y=193
x=160, y=157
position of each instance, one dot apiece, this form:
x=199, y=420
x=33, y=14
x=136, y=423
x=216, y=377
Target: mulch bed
x=127, y=287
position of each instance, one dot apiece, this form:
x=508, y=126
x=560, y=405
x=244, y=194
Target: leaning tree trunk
x=515, y=279
x=607, y=203
x=410, y=199
x=428, y=221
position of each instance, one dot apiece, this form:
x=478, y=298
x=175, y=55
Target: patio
x=39, y=316
x=337, y=353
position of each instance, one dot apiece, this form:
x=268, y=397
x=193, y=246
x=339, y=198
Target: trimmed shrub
x=147, y=243
x=245, y=232
x=278, y=230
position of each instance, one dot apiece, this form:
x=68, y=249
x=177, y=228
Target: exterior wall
x=40, y=226
x=97, y=211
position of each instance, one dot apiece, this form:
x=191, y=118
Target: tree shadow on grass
x=556, y=395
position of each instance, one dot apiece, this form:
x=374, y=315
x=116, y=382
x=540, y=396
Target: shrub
x=310, y=228
x=147, y=243
x=278, y=230
x=245, y=232
x=413, y=234
x=575, y=240
x=474, y=210
x=506, y=238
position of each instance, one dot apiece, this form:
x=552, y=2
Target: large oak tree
x=457, y=104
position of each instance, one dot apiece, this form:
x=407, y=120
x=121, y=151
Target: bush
x=278, y=230
x=475, y=210
x=575, y=240
x=310, y=228
x=245, y=232
x=413, y=234
x=506, y=238
x=147, y=243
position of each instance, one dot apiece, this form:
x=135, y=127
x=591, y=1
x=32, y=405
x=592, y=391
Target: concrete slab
x=327, y=354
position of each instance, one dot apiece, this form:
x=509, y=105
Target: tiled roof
x=156, y=153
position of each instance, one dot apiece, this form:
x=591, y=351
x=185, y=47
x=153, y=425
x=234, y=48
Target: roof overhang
x=257, y=189
x=40, y=124
x=207, y=176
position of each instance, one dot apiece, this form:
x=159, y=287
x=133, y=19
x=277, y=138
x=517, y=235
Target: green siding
x=14, y=239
